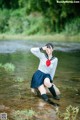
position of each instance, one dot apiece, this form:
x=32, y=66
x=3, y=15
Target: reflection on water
x=15, y=95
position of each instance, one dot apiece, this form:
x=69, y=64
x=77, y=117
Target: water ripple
x=25, y=45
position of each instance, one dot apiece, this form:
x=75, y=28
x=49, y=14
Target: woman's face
x=49, y=50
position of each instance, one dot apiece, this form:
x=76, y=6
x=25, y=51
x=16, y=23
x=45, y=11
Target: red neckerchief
x=48, y=62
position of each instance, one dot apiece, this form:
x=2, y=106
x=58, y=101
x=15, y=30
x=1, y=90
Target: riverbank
x=15, y=95
x=54, y=37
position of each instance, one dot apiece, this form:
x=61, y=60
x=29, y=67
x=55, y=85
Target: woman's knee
x=47, y=82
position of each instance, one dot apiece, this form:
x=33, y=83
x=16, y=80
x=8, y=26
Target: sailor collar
x=48, y=57
x=48, y=61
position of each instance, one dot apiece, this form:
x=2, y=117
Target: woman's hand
x=44, y=48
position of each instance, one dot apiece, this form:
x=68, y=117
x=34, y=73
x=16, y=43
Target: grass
x=7, y=67
x=55, y=37
x=70, y=113
x=24, y=114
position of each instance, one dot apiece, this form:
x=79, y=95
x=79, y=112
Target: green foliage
x=73, y=27
x=9, y=4
x=15, y=22
x=70, y=113
x=9, y=67
x=58, y=14
x=23, y=114
x=38, y=25
x=0, y=65
x=53, y=17
x=19, y=22
x=4, y=17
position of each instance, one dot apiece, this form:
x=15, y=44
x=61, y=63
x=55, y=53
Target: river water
x=16, y=95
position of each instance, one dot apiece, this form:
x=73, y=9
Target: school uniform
x=46, y=68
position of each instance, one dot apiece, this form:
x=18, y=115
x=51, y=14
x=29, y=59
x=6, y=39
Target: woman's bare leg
x=42, y=89
x=47, y=82
x=43, y=92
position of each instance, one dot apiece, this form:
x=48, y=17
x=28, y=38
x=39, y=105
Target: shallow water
x=17, y=96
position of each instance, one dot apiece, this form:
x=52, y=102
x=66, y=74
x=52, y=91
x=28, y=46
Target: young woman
x=44, y=75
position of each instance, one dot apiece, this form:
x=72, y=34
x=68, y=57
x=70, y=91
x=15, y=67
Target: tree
x=9, y=4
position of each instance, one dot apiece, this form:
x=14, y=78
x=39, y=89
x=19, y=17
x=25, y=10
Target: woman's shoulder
x=54, y=58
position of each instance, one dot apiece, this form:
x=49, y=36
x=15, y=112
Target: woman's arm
x=37, y=52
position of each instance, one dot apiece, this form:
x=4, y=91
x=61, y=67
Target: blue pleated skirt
x=38, y=79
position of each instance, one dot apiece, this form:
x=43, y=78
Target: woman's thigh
x=47, y=82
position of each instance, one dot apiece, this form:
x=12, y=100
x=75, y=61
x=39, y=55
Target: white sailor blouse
x=46, y=66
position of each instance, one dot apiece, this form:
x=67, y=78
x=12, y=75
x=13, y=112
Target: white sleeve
x=52, y=73
x=37, y=52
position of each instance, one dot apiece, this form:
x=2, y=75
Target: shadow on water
x=15, y=95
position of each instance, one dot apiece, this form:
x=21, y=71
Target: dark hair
x=49, y=45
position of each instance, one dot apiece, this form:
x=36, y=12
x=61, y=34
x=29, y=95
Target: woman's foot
x=57, y=97
x=44, y=97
